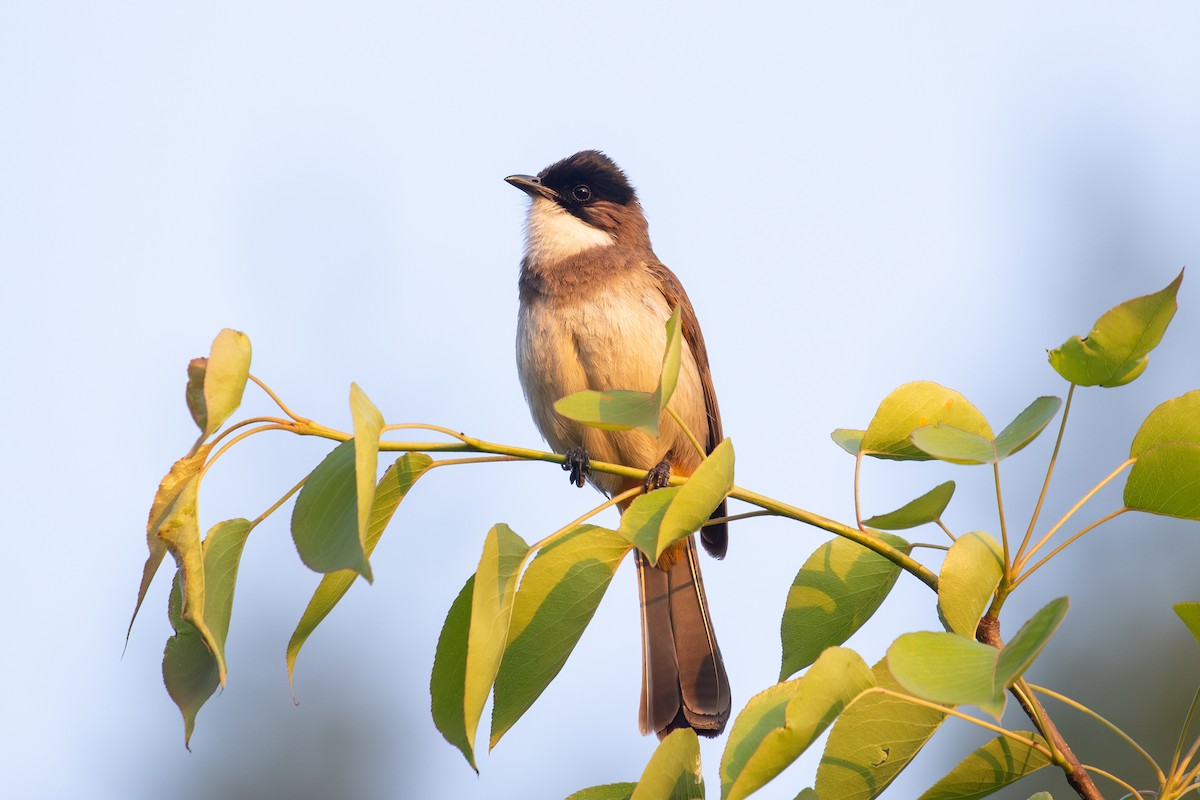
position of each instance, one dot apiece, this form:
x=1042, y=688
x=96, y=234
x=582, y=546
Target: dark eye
x=581, y=193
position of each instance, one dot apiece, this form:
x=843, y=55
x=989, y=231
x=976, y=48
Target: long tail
x=684, y=684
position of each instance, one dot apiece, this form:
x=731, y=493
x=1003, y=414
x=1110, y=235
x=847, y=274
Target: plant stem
x=1037, y=509
x=1050, y=533
x=988, y=632
x=688, y=433
x=278, y=503
x=866, y=539
x=1064, y=545
x=736, y=517
x=1187, y=723
x=917, y=701
x=1003, y=525
x=278, y=402
x=945, y=530
x=1115, y=780
x=1162, y=779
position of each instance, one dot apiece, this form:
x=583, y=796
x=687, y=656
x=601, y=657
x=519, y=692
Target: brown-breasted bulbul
x=594, y=303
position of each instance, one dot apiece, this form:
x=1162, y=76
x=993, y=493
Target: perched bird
x=594, y=303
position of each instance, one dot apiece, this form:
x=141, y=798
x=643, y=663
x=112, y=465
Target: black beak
x=532, y=186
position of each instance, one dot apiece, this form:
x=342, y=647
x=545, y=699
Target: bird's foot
x=579, y=465
x=658, y=478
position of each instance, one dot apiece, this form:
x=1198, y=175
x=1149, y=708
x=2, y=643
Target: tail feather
x=683, y=677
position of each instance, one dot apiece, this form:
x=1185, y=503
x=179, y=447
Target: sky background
x=855, y=196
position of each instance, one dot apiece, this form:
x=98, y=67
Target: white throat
x=552, y=233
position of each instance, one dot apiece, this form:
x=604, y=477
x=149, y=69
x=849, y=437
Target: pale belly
x=610, y=341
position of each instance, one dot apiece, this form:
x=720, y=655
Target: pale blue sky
x=855, y=196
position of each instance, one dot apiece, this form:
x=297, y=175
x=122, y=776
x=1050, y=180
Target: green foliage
x=993, y=766
x=970, y=574
x=777, y=726
x=392, y=488
x=946, y=442
x=925, y=509
x=657, y=520
x=555, y=601
x=1116, y=350
x=873, y=741
x=838, y=589
x=512, y=627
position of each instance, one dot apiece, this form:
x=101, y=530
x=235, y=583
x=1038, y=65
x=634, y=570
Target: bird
x=594, y=300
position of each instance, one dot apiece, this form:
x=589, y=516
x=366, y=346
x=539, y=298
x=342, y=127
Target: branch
x=988, y=632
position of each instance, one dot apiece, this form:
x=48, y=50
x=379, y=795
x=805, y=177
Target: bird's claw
x=658, y=478
x=579, y=465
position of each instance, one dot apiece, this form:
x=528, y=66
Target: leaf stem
x=1187, y=723
x=275, y=506
x=736, y=517
x=1037, y=509
x=1162, y=779
x=1070, y=513
x=1114, y=779
x=1063, y=546
x=251, y=421
x=612, y=501
x=687, y=432
x=946, y=530
x=403, y=426
x=273, y=427
x=866, y=539
x=278, y=402
x=454, y=462
x=1008, y=567
x=908, y=698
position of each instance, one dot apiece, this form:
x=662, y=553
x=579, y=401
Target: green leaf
x=642, y=521
x=225, y=374
x=969, y=577
x=912, y=406
x=191, y=671
x=222, y=549
x=368, y=422
x=180, y=529
x=618, y=410
x=778, y=725
x=1174, y=421
x=1027, y=426
x=806, y=794
x=673, y=772
x=948, y=443
x=448, y=682
x=872, y=742
x=926, y=508
x=1041, y=796
x=609, y=791
x=555, y=601
x=1022, y=649
x=1115, y=352
x=837, y=590
x=672, y=355
x=947, y=668
x=1166, y=480
x=393, y=486
x=698, y=498
x=990, y=768
x=1190, y=614
x=181, y=474
x=325, y=517
x=623, y=409
x=848, y=439
x=953, y=669
x=491, y=611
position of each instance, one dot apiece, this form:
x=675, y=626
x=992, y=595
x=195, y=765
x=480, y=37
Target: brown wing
x=714, y=537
